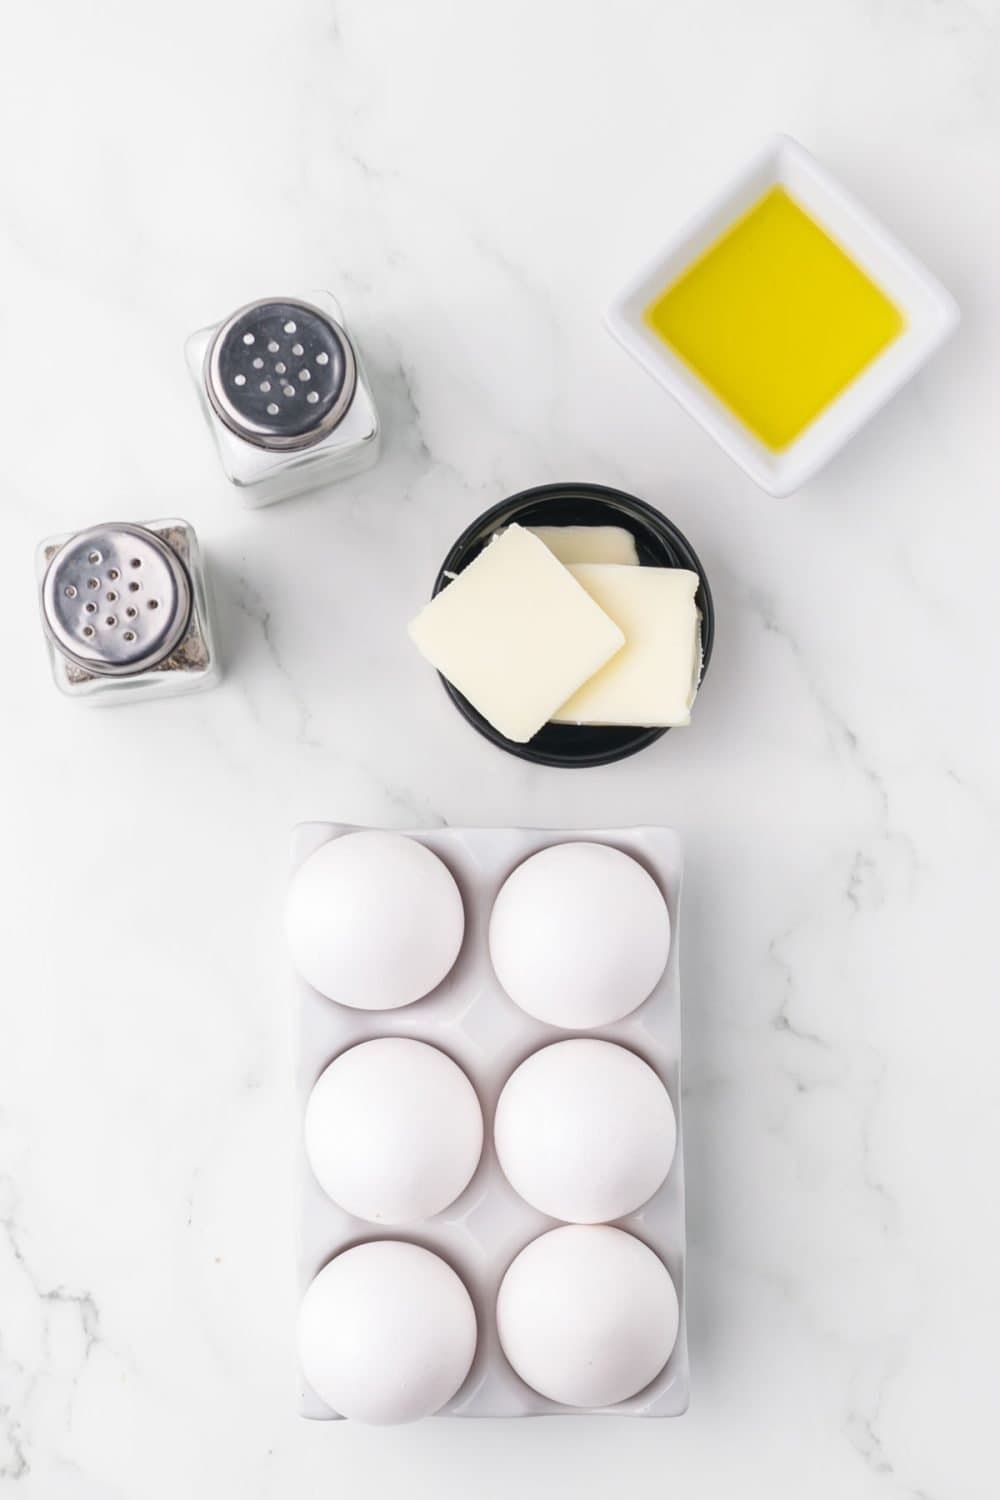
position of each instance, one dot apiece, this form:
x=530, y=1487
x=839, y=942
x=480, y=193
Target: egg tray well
x=470, y=1018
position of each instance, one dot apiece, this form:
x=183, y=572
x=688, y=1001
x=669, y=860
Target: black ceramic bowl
x=659, y=544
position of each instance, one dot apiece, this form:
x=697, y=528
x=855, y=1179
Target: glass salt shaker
x=286, y=396
x=125, y=611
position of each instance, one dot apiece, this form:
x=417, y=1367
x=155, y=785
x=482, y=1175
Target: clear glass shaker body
x=125, y=611
x=264, y=473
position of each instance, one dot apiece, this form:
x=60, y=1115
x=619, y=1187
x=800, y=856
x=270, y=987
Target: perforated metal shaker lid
x=116, y=599
x=280, y=373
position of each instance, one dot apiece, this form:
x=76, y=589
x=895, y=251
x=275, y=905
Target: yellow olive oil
x=775, y=318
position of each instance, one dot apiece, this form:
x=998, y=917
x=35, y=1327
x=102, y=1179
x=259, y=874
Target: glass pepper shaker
x=125, y=611
x=286, y=396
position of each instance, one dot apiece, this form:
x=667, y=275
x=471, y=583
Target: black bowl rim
x=641, y=511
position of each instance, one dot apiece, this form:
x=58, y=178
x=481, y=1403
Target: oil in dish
x=776, y=319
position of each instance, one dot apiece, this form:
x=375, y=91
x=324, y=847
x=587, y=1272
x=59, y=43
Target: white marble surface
x=473, y=181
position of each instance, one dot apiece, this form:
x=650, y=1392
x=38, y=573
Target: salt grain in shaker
x=286, y=396
x=125, y=611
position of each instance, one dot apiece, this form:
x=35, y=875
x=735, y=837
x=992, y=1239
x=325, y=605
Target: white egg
x=587, y=1315
x=393, y=1130
x=579, y=935
x=585, y=1131
x=374, y=920
x=387, y=1333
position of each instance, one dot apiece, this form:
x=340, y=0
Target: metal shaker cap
x=280, y=373
x=116, y=600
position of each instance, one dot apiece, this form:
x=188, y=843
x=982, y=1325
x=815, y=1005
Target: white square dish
x=930, y=314
x=470, y=1018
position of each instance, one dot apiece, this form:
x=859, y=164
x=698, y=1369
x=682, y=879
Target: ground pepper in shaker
x=286, y=396
x=125, y=611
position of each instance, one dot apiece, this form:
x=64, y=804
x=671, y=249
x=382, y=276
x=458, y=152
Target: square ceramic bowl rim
x=930, y=311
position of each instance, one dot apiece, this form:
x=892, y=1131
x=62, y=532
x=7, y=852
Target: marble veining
x=474, y=182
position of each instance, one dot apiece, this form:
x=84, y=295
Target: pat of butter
x=589, y=544
x=516, y=634
x=654, y=679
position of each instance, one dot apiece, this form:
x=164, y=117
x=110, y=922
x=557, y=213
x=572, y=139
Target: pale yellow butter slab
x=516, y=634
x=589, y=544
x=653, y=680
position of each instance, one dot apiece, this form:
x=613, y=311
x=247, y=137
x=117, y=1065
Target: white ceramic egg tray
x=470, y=1018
